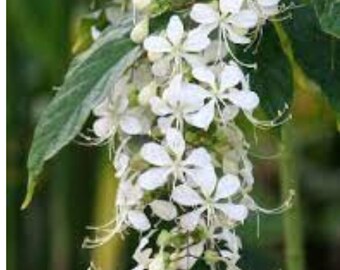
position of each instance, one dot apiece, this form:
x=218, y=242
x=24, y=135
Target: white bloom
x=180, y=102
x=168, y=160
x=210, y=202
x=128, y=198
x=113, y=114
x=222, y=89
x=175, y=46
x=231, y=18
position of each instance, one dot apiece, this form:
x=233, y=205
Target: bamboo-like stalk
x=292, y=219
x=109, y=255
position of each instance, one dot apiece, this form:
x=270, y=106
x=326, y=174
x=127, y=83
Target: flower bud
x=147, y=93
x=140, y=31
x=141, y=4
x=152, y=56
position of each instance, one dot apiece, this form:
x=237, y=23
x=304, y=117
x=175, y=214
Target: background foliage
x=80, y=188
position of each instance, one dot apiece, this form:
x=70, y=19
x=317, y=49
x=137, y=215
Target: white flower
x=231, y=18
x=128, y=198
x=179, y=103
x=211, y=201
x=113, y=114
x=222, y=89
x=175, y=47
x=168, y=160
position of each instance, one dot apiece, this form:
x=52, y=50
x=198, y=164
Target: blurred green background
x=79, y=186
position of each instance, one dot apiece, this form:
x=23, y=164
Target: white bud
x=140, y=31
x=141, y=4
x=146, y=93
x=152, y=56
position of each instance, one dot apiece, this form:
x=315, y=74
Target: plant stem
x=292, y=221
x=109, y=255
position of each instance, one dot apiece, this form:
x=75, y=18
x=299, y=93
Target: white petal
x=164, y=209
x=190, y=220
x=103, y=127
x=247, y=100
x=164, y=123
x=203, y=13
x=138, y=220
x=230, y=6
x=244, y=19
x=194, y=60
x=196, y=41
x=146, y=93
x=268, y=3
x=161, y=67
x=227, y=186
x=198, y=157
x=186, y=196
x=175, y=30
x=229, y=112
x=131, y=125
x=236, y=212
x=103, y=109
x=236, y=37
x=155, y=154
x=231, y=75
x=153, y=178
x=202, y=118
x=121, y=163
x=204, y=74
x=157, y=44
x=189, y=256
x=205, y=178
x=159, y=106
x=175, y=141
x=173, y=93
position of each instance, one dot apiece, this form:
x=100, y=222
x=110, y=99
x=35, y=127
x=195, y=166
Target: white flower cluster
x=180, y=158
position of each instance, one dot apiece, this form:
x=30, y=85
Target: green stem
x=292, y=219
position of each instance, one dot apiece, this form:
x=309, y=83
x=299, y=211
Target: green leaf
x=85, y=84
x=317, y=53
x=328, y=13
x=272, y=80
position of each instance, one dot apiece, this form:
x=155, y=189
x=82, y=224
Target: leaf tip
x=29, y=195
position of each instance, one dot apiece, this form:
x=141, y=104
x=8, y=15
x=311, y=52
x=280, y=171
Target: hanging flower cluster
x=181, y=160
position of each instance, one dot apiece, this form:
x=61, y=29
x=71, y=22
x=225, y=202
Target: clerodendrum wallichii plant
x=166, y=98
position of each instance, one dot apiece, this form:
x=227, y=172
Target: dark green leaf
x=328, y=13
x=86, y=83
x=272, y=80
x=316, y=52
